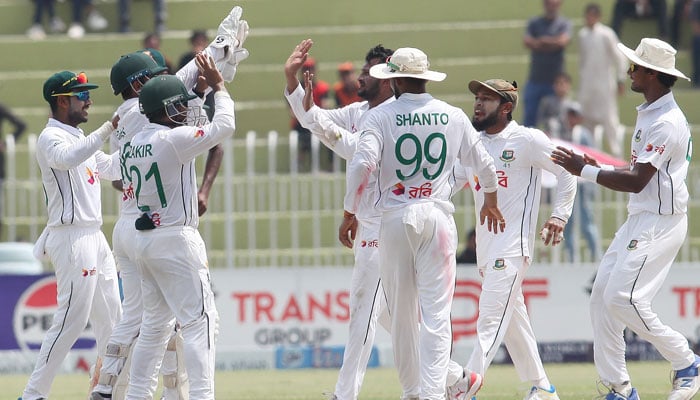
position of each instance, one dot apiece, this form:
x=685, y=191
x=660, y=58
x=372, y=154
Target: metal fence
x=272, y=206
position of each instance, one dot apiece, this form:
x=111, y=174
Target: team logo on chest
x=507, y=157
x=638, y=136
x=633, y=244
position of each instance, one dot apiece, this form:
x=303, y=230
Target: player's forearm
x=64, y=157
x=211, y=168
x=566, y=193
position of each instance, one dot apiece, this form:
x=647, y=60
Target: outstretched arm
x=211, y=169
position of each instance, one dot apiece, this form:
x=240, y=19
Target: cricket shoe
x=465, y=387
x=100, y=396
x=617, y=392
x=538, y=393
x=685, y=382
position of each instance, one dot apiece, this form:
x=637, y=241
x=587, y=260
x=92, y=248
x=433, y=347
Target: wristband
x=607, y=167
x=590, y=173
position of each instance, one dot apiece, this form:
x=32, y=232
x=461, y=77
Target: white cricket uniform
x=124, y=239
x=337, y=129
x=415, y=143
x=601, y=67
x=71, y=167
x=633, y=268
x=519, y=154
x=172, y=257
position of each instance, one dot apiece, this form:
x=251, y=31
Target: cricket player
x=337, y=129
x=172, y=256
x=414, y=145
x=519, y=154
x=640, y=256
x=71, y=166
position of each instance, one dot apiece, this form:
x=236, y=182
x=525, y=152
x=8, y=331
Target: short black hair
x=666, y=79
x=380, y=52
x=594, y=8
x=198, y=34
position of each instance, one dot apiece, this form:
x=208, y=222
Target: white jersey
x=601, y=67
x=71, y=166
x=520, y=154
x=662, y=139
x=131, y=121
x=416, y=142
x=338, y=130
x=161, y=165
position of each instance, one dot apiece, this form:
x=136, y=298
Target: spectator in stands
x=94, y=19
x=640, y=9
x=19, y=127
x=152, y=41
x=602, y=74
x=546, y=36
x=551, y=116
x=159, y=15
x=582, y=214
x=681, y=12
x=468, y=255
x=198, y=42
x=345, y=89
x=56, y=24
x=321, y=91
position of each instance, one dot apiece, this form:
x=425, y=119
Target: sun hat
x=406, y=62
x=503, y=88
x=654, y=54
x=65, y=82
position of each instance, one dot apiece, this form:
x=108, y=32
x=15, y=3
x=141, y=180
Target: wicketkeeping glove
x=227, y=48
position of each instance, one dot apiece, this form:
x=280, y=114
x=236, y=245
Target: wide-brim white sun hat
x=654, y=54
x=406, y=62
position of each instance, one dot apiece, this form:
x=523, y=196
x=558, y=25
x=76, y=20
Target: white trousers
x=503, y=318
x=173, y=264
x=365, y=296
x=629, y=276
x=87, y=290
x=417, y=269
x=124, y=238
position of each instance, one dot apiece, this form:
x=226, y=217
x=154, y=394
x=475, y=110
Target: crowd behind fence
x=265, y=211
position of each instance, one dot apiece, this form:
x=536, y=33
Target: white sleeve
x=541, y=153
x=473, y=155
x=188, y=74
x=190, y=141
x=108, y=165
x=324, y=124
x=363, y=163
x=64, y=156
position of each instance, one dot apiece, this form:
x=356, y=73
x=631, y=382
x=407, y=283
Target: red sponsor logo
x=370, y=243
x=88, y=271
x=477, y=186
x=465, y=309
x=649, y=147
x=688, y=301
x=92, y=176
x=502, y=178
x=417, y=192
x=259, y=307
x=199, y=133
x=128, y=192
x=398, y=189
x=155, y=217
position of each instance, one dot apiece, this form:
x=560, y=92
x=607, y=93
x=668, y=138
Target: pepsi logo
x=34, y=314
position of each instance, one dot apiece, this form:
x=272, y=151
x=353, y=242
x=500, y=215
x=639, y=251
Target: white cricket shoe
x=538, y=393
x=57, y=25
x=96, y=21
x=76, y=31
x=36, y=32
x=686, y=382
x=466, y=387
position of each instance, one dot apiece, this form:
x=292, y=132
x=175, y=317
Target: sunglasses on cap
x=82, y=96
x=80, y=78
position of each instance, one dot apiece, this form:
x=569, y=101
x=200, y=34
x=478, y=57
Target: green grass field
x=573, y=382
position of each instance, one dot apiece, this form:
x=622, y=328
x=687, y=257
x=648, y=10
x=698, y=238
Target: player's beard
x=369, y=92
x=486, y=122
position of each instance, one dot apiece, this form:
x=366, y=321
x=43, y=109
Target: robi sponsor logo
x=33, y=315
x=370, y=243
